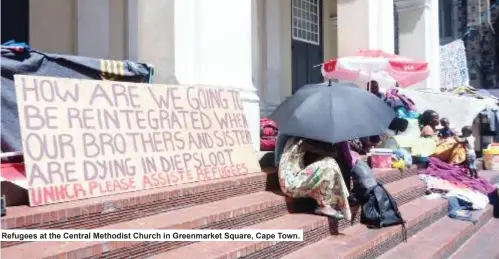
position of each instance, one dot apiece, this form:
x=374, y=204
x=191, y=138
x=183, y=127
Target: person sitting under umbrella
x=373, y=87
x=332, y=114
x=307, y=168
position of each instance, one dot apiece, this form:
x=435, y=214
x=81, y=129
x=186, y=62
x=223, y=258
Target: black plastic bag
x=363, y=180
x=380, y=210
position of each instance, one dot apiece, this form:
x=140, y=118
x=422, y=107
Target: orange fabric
x=450, y=152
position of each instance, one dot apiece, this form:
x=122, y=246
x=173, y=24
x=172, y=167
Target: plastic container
x=493, y=146
x=12, y=172
x=381, y=151
x=491, y=158
x=381, y=160
x=13, y=185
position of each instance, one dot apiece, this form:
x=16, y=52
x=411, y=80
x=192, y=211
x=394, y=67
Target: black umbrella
x=333, y=113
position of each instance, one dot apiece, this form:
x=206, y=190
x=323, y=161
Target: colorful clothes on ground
x=435, y=185
x=321, y=180
x=457, y=175
x=450, y=151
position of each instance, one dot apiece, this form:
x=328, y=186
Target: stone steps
x=364, y=243
x=483, y=245
x=446, y=236
x=97, y=212
x=76, y=214
x=440, y=239
x=251, y=202
x=315, y=228
x=235, y=212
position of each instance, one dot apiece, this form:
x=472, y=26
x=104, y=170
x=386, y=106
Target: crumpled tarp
x=20, y=59
x=460, y=110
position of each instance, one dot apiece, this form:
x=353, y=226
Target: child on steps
x=468, y=140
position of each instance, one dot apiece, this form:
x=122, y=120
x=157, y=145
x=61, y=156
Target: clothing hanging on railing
x=492, y=117
x=453, y=65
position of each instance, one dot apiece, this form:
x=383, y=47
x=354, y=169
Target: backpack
x=268, y=134
x=379, y=209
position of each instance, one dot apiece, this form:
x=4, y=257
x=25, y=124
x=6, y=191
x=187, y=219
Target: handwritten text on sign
x=85, y=138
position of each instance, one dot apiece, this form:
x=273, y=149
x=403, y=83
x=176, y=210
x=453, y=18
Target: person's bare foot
x=330, y=212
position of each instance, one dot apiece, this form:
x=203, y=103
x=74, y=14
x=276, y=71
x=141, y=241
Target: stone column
x=278, y=83
x=365, y=24
x=419, y=36
x=52, y=26
x=151, y=37
x=200, y=42
x=100, y=29
x=93, y=34
x=213, y=46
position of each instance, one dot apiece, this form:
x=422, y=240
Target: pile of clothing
x=464, y=194
x=472, y=92
x=403, y=106
x=404, y=138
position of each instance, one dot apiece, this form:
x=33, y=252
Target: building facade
x=478, y=25
x=266, y=48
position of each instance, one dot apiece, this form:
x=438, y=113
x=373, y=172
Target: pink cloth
x=393, y=94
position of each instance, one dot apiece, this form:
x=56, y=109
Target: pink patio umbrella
x=376, y=65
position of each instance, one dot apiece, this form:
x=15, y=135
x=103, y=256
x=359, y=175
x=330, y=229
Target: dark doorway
x=396, y=30
x=15, y=20
x=306, y=43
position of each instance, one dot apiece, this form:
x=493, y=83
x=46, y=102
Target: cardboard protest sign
x=86, y=138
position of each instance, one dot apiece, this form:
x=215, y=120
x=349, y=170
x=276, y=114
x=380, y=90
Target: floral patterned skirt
x=321, y=180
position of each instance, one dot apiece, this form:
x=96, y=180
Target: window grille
x=306, y=24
